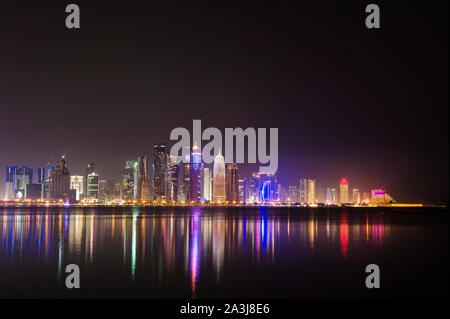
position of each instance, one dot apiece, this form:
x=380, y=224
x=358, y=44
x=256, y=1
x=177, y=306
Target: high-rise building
x=22, y=177
x=59, y=184
x=172, y=179
x=269, y=190
x=329, y=200
x=93, y=186
x=253, y=196
x=127, y=188
x=334, y=198
x=232, y=183
x=311, y=191
x=303, y=191
x=9, y=183
x=143, y=182
x=343, y=191
x=46, y=187
x=41, y=175
x=207, y=183
x=219, y=192
x=356, y=196
x=88, y=170
x=77, y=183
x=159, y=171
x=106, y=189
x=196, y=173
x=292, y=194
x=243, y=190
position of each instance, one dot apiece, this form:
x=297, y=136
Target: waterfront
x=195, y=252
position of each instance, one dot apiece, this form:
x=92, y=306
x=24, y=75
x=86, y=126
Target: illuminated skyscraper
x=59, y=184
x=343, y=191
x=9, y=183
x=311, y=191
x=292, y=194
x=207, y=183
x=356, y=196
x=254, y=188
x=22, y=177
x=334, y=199
x=41, y=175
x=303, y=191
x=77, y=183
x=88, y=170
x=143, y=183
x=329, y=200
x=127, y=189
x=172, y=179
x=268, y=189
x=93, y=186
x=243, y=190
x=159, y=171
x=232, y=183
x=219, y=193
x=196, y=174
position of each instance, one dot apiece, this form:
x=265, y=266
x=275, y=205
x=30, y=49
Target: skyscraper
x=219, y=193
x=127, y=189
x=41, y=175
x=243, y=190
x=196, y=172
x=232, y=183
x=159, y=171
x=253, y=196
x=143, y=183
x=77, y=183
x=9, y=183
x=22, y=177
x=88, y=170
x=92, y=186
x=334, y=199
x=311, y=191
x=172, y=179
x=59, y=184
x=303, y=191
x=207, y=184
x=292, y=194
x=329, y=200
x=356, y=196
x=343, y=191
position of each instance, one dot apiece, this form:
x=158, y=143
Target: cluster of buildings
x=167, y=179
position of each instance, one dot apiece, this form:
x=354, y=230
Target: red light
x=344, y=181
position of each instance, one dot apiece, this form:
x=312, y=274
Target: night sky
x=368, y=105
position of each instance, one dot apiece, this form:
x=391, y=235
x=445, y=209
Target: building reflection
x=195, y=243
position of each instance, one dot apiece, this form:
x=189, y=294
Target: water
x=223, y=252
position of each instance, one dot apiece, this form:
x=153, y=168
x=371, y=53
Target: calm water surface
x=223, y=252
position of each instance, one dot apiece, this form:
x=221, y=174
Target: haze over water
x=197, y=252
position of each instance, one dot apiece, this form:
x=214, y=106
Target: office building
x=219, y=192
x=77, y=183
x=343, y=191
x=232, y=183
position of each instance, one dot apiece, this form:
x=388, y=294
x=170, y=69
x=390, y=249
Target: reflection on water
x=162, y=243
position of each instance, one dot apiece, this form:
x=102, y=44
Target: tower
x=219, y=195
x=343, y=191
x=232, y=182
x=195, y=173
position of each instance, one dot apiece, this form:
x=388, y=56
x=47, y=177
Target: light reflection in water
x=161, y=243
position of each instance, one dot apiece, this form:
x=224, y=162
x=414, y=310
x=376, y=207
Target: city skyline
x=183, y=179
x=108, y=97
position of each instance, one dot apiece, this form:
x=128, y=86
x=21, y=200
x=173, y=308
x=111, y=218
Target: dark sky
x=370, y=105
